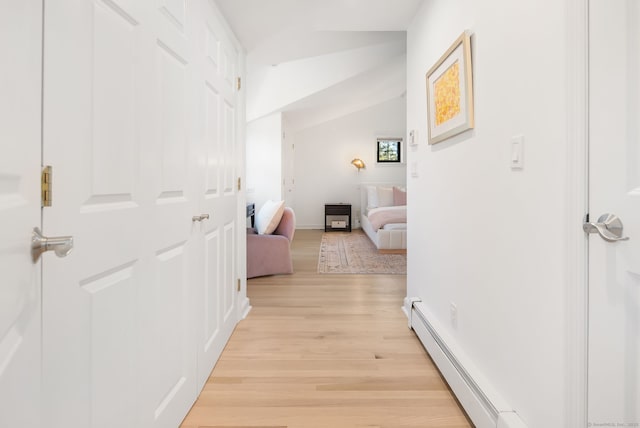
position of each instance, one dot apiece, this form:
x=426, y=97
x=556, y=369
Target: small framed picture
x=389, y=150
x=450, y=92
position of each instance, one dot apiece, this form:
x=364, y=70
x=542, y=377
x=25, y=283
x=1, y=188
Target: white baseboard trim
x=244, y=308
x=485, y=407
x=509, y=420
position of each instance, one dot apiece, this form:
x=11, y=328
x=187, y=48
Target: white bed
x=391, y=236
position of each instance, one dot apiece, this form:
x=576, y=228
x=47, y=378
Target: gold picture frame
x=450, y=92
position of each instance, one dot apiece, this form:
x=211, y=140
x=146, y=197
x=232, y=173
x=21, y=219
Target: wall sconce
x=358, y=163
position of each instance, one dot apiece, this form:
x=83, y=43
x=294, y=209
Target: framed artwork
x=450, y=92
x=389, y=150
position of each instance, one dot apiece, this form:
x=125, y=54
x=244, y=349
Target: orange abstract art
x=447, y=94
x=450, y=92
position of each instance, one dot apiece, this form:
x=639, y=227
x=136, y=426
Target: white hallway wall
x=264, y=159
x=485, y=237
x=322, y=159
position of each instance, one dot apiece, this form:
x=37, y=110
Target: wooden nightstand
x=337, y=217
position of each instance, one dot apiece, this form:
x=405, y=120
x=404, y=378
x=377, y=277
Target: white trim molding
x=577, y=54
x=484, y=405
x=244, y=308
x=407, y=306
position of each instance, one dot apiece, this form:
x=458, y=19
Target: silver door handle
x=61, y=245
x=609, y=227
x=200, y=217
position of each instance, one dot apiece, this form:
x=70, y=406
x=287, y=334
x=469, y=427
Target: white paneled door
x=614, y=187
x=215, y=93
x=20, y=149
x=139, y=127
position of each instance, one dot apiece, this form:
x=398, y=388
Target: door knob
x=200, y=217
x=609, y=227
x=61, y=245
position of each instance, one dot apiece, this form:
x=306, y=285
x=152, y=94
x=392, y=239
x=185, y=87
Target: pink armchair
x=271, y=254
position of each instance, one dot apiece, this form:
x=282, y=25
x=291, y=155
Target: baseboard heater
x=483, y=404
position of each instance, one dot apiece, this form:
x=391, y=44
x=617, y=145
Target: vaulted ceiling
x=285, y=38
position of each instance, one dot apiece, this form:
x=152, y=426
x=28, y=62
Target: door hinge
x=46, y=186
x=239, y=83
x=238, y=285
x=239, y=183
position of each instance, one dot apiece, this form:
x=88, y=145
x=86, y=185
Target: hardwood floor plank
x=325, y=351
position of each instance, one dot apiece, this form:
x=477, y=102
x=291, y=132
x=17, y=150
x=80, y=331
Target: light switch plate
x=517, y=152
x=413, y=137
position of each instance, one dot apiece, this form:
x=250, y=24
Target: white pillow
x=385, y=196
x=372, y=197
x=269, y=217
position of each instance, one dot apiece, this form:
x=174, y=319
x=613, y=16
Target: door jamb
x=577, y=206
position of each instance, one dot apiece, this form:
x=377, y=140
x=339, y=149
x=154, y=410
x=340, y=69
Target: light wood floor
x=324, y=351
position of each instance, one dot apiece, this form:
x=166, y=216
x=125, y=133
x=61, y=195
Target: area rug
x=347, y=253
